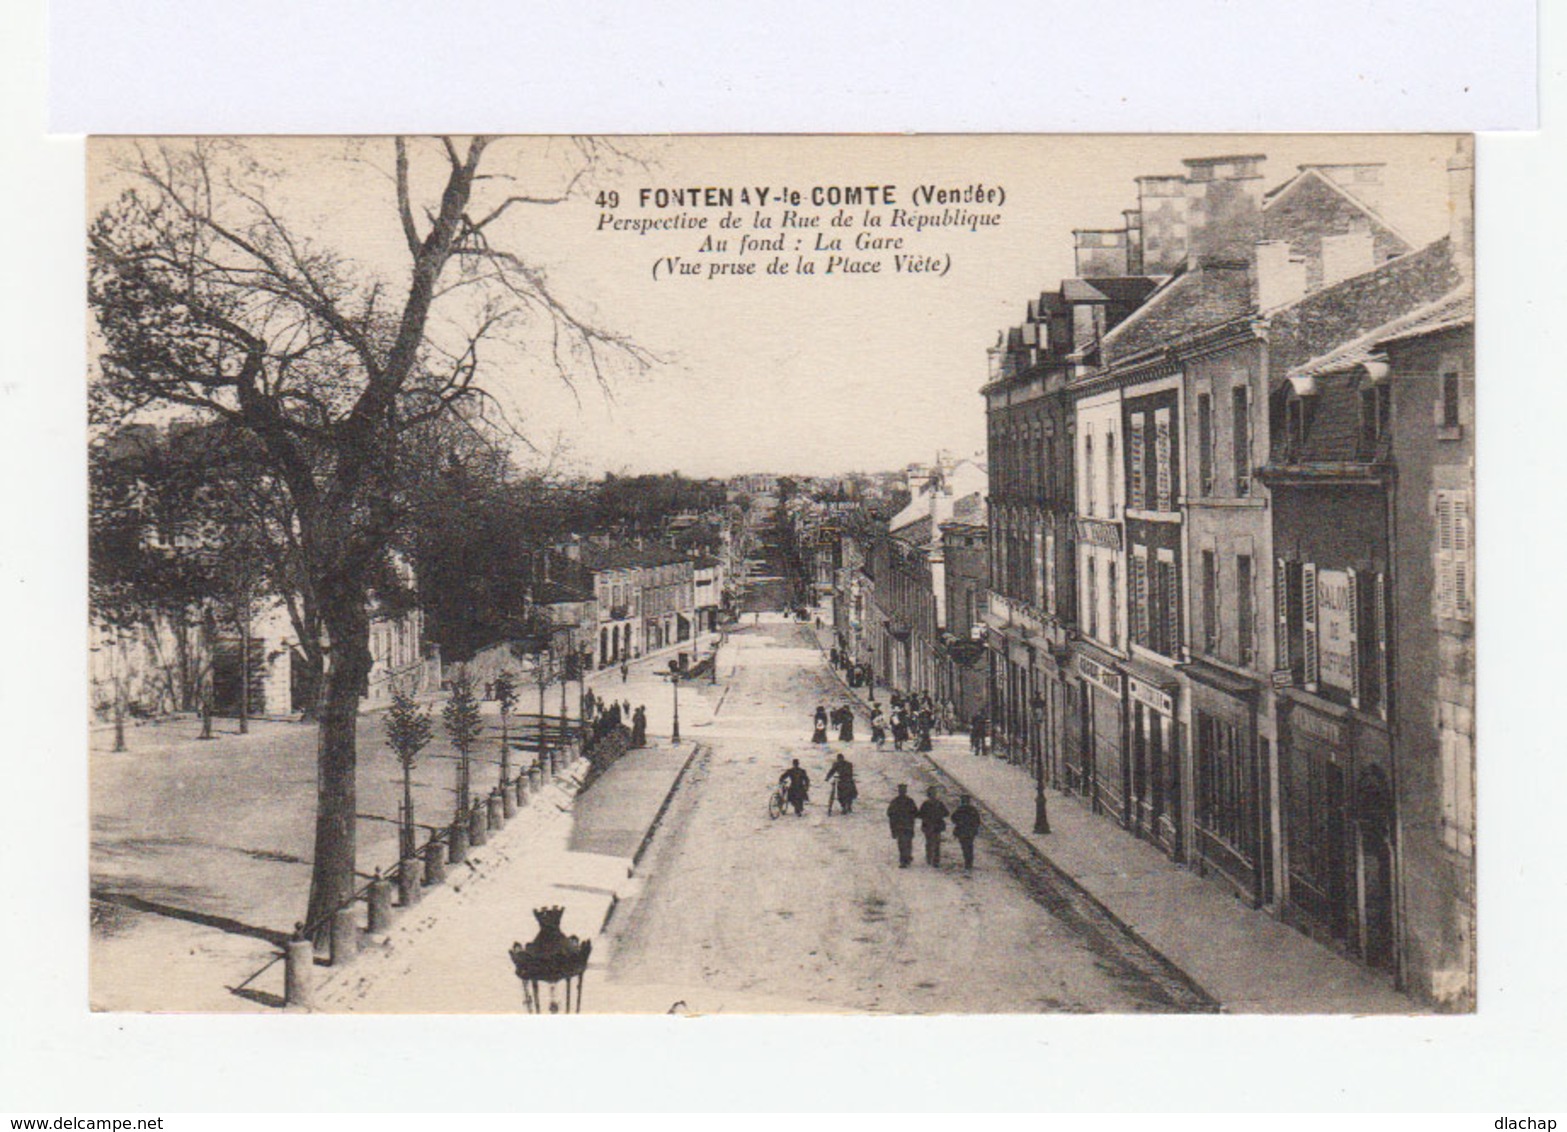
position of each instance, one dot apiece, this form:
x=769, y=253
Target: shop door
x=1374, y=869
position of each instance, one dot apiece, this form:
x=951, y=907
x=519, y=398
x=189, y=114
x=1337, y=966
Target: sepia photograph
x=757, y=574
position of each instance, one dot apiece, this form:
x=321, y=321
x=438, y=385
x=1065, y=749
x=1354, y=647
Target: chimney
x=1134, y=240
x=1461, y=206
x=1100, y=252
x=1345, y=256
x=1162, y=208
x=1225, y=217
x=1363, y=182
x=1281, y=276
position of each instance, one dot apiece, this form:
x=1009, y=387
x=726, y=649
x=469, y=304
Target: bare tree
x=208, y=299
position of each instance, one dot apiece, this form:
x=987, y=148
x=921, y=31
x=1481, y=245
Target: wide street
x=814, y=911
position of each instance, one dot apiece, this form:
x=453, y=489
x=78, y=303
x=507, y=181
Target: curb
x=953, y=782
x=663, y=808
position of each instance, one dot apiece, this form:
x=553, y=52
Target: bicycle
x=777, y=802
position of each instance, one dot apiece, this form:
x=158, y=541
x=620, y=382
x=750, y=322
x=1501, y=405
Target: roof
x=969, y=511
x=1191, y=301
x=1126, y=288
x=1454, y=309
x=916, y=531
x=1334, y=318
x=630, y=557
x=558, y=593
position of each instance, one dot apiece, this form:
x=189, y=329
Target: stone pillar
x=521, y=786
x=497, y=812
x=345, y=935
x=435, y=862
x=509, y=801
x=459, y=840
x=535, y=778
x=410, y=877
x=299, y=975
x=478, y=823
x=380, y=902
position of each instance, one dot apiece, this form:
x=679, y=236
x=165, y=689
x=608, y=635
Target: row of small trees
x=410, y=728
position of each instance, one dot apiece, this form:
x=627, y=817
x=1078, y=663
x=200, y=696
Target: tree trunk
x=348, y=664
x=410, y=838
x=244, y=670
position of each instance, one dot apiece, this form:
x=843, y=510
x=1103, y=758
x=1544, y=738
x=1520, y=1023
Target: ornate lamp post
x=1041, y=810
x=673, y=675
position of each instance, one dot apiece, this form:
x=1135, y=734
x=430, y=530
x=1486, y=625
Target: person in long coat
x=845, y=724
x=797, y=787
x=843, y=770
x=933, y=822
x=965, y=827
x=639, y=727
x=878, y=726
x=900, y=729
x=901, y=816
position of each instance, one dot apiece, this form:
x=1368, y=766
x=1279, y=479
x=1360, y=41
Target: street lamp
x=674, y=683
x=1041, y=811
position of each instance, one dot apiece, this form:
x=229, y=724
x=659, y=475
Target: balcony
x=1008, y=613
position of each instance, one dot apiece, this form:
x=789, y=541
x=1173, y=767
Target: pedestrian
x=878, y=726
x=933, y=822
x=625, y=671
x=639, y=727
x=900, y=729
x=843, y=770
x=797, y=787
x=846, y=724
x=819, y=725
x=965, y=826
x=976, y=734
x=901, y=815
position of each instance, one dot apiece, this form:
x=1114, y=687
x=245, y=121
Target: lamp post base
x=1041, y=811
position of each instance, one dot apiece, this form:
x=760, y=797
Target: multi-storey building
x=962, y=670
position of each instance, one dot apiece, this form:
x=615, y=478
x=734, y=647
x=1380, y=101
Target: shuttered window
x=1140, y=596
x=1088, y=468
x=1205, y=443
x=1136, y=458
x=1240, y=432
x=1112, y=586
x=1281, y=602
x=1454, y=557
x=1245, y=620
x=1163, y=473
x=1308, y=591
x=1210, y=601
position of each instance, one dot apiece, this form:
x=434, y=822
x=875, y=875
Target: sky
x=798, y=374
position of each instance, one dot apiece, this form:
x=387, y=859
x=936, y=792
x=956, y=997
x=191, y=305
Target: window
x=1450, y=400
x=1115, y=605
x=1163, y=472
x=1205, y=442
x=1245, y=631
x=1295, y=426
x=1240, y=404
x=1135, y=459
x=1110, y=477
x=1454, y=550
x=1092, y=601
x=1457, y=752
x=1139, y=631
x=1088, y=468
x=1210, y=601
x=1050, y=570
x=1224, y=800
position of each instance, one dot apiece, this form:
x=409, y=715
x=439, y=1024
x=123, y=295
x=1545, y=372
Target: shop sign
x=1097, y=674
x=1317, y=726
x=1335, y=635
x=1161, y=702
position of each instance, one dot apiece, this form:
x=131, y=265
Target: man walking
x=965, y=827
x=901, y=814
x=933, y=821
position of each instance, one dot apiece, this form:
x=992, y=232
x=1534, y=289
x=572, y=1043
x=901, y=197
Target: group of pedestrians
x=912, y=720
x=604, y=717
x=931, y=816
x=903, y=814
x=841, y=718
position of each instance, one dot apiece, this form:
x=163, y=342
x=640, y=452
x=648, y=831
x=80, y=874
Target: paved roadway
x=814, y=911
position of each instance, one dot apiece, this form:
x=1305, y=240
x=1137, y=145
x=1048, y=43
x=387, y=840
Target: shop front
x=1102, y=769
x=1153, y=763
x=1230, y=811
x=1339, y=827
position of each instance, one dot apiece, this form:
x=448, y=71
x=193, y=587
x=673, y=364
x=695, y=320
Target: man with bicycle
x=796, y=786
x=844, y=789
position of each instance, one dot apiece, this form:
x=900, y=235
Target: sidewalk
x=1248, y=961
x=449, y=953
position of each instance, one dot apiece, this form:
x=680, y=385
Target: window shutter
x=1136, y=457
x=1140, y=597
x=1354, y=639
x=1050, y=569
x=1281, y=603
x=1162, y=458
x=1463, y=594
x=1380, y=604
x=1308, y=586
